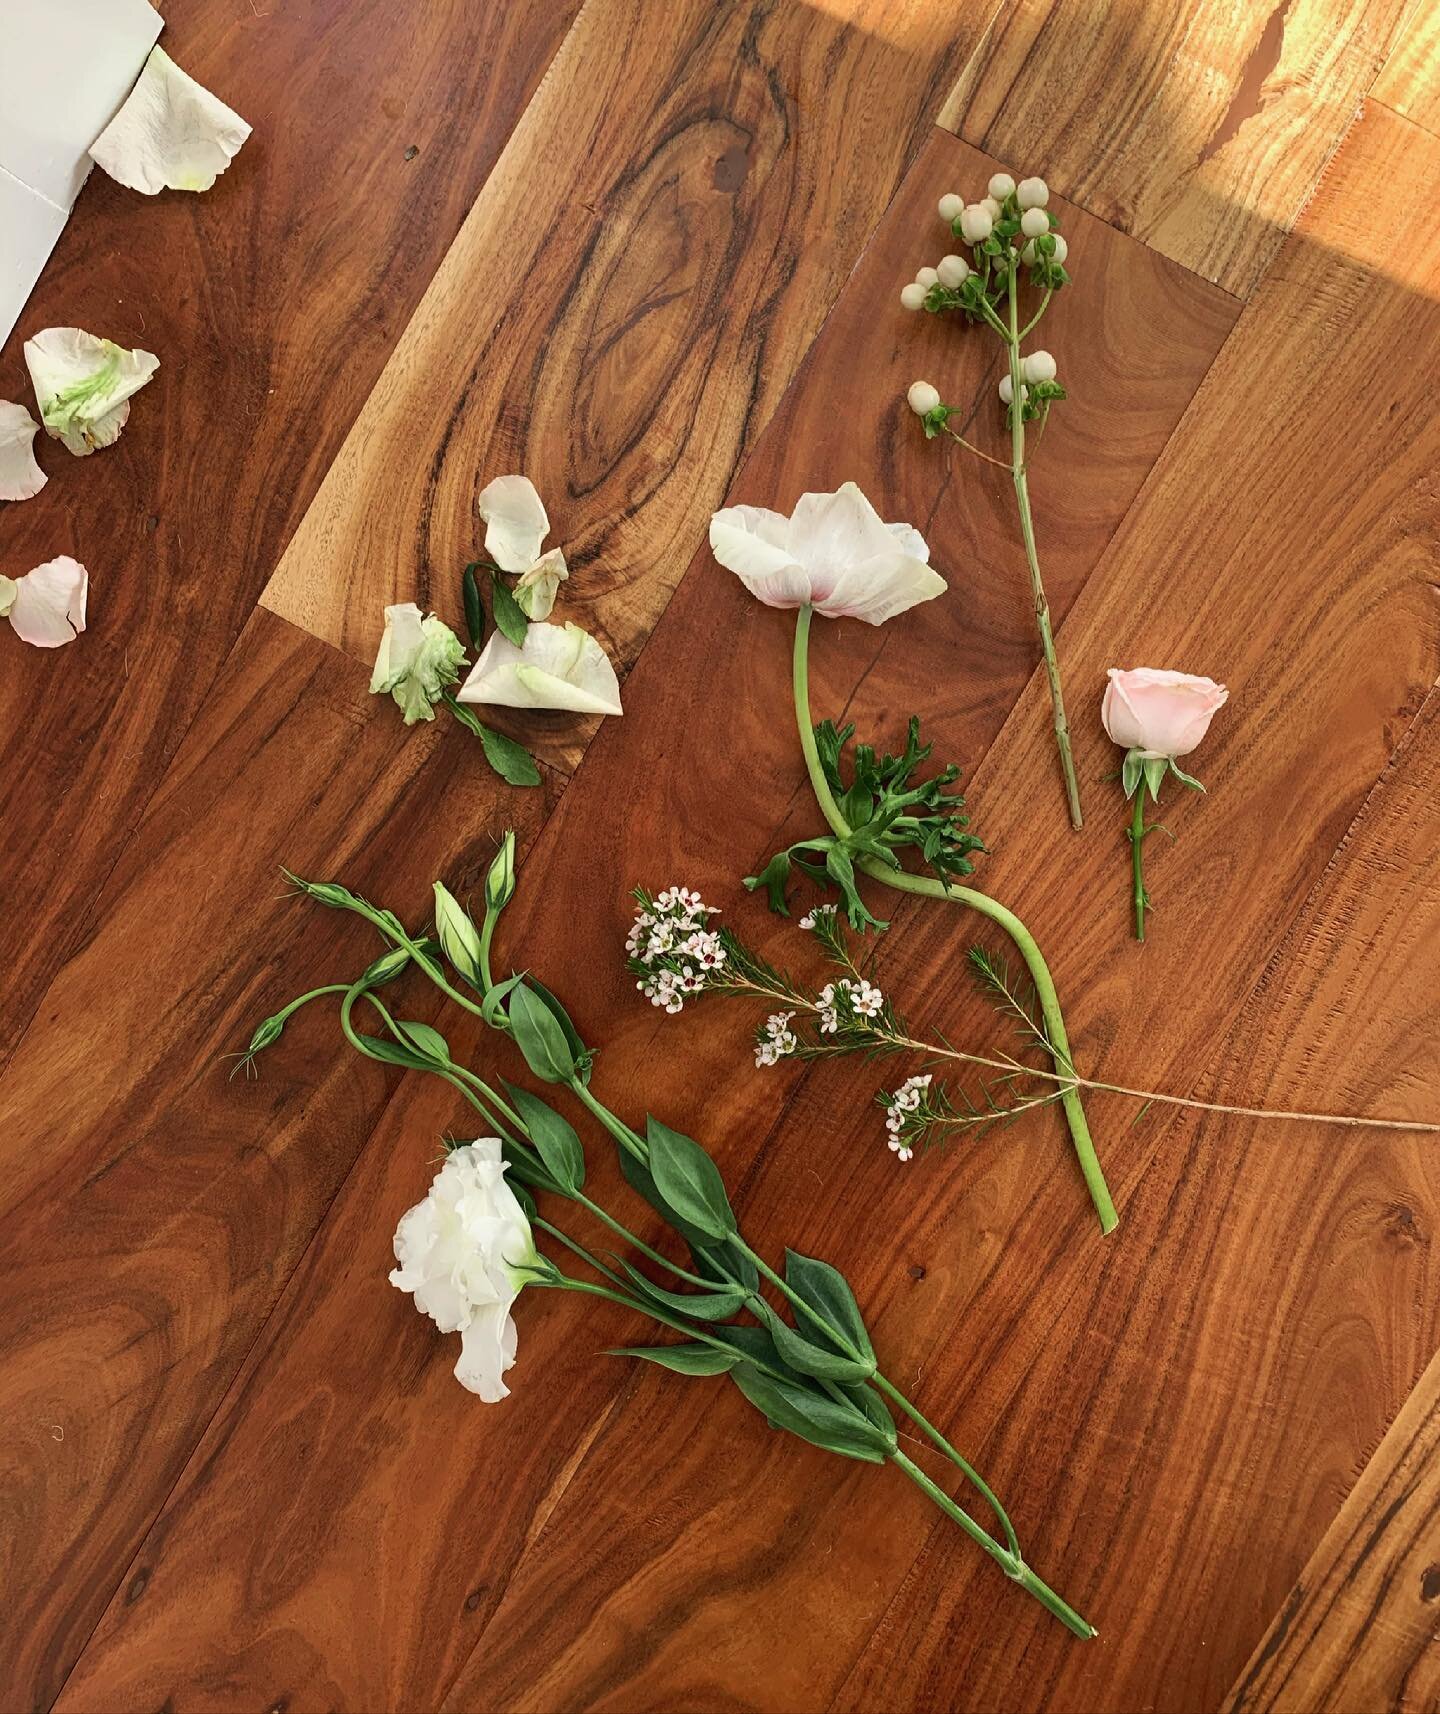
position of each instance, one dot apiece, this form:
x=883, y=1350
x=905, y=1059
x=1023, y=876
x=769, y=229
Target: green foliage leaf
x=582, y=1054
x=554, y=1138
x=808, y=1357
x=425, y=1040
x=814, y=1416
x=392, y=1053
x=637, y=1175
x=493, y=1004
x=689, y=1181
x=827, y=1291
x=539, y=1037
x=513, y=762
x=683, y=1359
x=474, y=607
x=723, y=1263
x=775, y=878
x=509, y=615
x=700, y=1306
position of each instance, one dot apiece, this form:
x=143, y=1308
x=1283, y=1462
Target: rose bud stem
x=1135, y=833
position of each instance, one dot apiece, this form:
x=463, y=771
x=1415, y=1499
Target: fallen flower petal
x=516, y=522
x=535, y=592
x=46, y=607
x=21, y=478
x=418, y=657
x=560, y=666
x=171, y=134
x=83, y=385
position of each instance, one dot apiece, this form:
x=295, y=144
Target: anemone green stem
x=903, y=881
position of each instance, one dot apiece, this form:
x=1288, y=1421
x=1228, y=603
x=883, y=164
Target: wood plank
x=1409, y=81
x=396, y=1540
x=153, y=1208
x=1200, y=127
x=1358, y=1628
x=281, y=293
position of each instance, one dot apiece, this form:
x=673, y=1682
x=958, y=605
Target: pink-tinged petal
x=516, y=522
x=21, y=478
x=1158, y=712
x=49, y=604
x=877, y=589
x=751, y=542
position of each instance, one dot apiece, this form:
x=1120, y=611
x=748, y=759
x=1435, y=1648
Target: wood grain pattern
x=1409, y=81
x=1201, y=127
x=272, y=302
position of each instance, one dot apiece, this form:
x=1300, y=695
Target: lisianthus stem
x=1032, y=560
x=903, y=881
x=1137, y=860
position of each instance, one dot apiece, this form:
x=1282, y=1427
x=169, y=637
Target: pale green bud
x=458, y=936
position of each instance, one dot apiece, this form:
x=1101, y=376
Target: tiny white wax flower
x=953, y=271
x=21, y=478
x=418, y=657
x=559, y=666
x=46, y=606
x=1038, y=366
x=832, y=553
x=1034, y=221
x=912, y=296
x=1001, y=186
x=1032, y=193
x=1007, y=392
x=950, y=206
x=991, y=207
x=171, y=134
x=463, y=1254
x=922, y=397
x=83, y=385
x=927, y=277
x=976, y=224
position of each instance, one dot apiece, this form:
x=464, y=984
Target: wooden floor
x=648, y=251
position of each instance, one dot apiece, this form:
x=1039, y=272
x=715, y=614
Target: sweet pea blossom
x=83, y=385
x=559, y=666
x=1159, y=714
x=833, y=553
x=46, y=606
x=171, y=134
x=417, y=659
x=21, y=478
x=463, y=1255
x=516, y=524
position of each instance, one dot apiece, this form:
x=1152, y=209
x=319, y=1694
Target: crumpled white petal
x=833, y=552
x=172, y=133
x=83, y=385
x=535, y=592
x=21, y=478
x=417, y=658
x=560, y=666
x=47, y=606
x=516, y=522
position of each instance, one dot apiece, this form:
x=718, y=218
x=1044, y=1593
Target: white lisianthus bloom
x=516, y=525
x=171, y=134
x=560, y=666
x=832, y=553
x=46, y=607
x=83, y=385
x=463, y=1253
x=417, y=659
x=21, y=478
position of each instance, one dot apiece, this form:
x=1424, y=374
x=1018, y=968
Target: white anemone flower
x=417, y=659
x=560, y=666
x=516, y=525
x=463, y=1254
x=171, y=134
x=46, y=606
x=21, y=478
x=83, y=385
x=833, y=553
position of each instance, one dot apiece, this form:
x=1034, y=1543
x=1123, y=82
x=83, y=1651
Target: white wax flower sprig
x=1009, y=230
x=1155, y=716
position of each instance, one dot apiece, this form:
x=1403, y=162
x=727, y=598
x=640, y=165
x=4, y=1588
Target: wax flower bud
x=1038, y=366
x=912, y=296
x=927, y=277
x=1007, y=391
x=1032, y=193
x=1034, y=221
x=950, y=207
x=922, y=398
x=1001, y=186
x=953, y=271
x=976, y=224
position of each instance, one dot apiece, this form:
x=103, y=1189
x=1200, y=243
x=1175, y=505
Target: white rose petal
x=515, y=522
x=560, y=666
x=535, y=592
x=462, y=1255
x=83, y=385
x=47, y=605
x=21, y=478
x=171, y=134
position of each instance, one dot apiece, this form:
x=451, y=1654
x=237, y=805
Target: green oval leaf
x=554, y=1139
x=689, y=1180
x=539, y=1037
x=827, y=1290
x=809, y=1358
x=683, y=1359
x=699, y=1305
x=637, y=1175
x=814, y=1416
x=509, y=615
x=425, y=1040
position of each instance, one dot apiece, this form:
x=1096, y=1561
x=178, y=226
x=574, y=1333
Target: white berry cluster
x=672, y=948
x=904, y=1103
x=846, y=1002
x=775, y=1039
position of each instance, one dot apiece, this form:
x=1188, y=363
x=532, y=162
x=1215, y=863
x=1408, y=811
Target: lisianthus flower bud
x=922, y=398
x=912, y=296
x=950, y=206
x=1032, y=193
x=500, y=882
x=1007, y=391
x=1001, y=186
x=976, y=224
x=1158, y=713
x=458, y=936
x=1038, y=366
x=953, y=271
x=927, y=277
x=1034, y=221
x=1028, y=253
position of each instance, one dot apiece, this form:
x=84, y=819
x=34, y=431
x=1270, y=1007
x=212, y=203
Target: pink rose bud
x=1159, y=713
